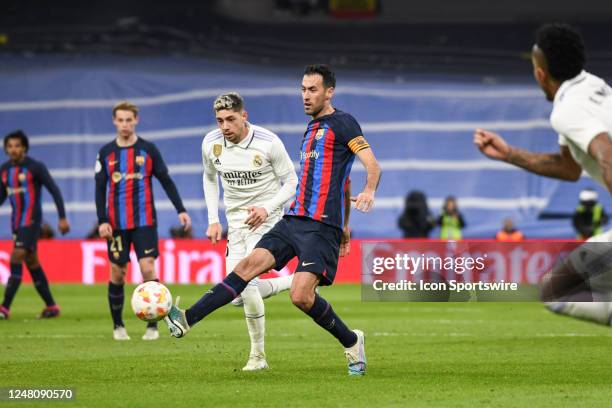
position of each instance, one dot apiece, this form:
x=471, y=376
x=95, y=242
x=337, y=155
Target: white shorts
x=593, y=260
x=242, y=241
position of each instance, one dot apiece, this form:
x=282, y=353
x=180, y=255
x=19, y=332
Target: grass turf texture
x=419, y=354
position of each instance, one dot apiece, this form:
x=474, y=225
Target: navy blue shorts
x=316, y=245
x=143, y=238
x=26, y=237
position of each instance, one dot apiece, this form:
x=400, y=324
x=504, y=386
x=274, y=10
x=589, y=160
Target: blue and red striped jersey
x=124, y=193
x=21, y=183
x=326, y=156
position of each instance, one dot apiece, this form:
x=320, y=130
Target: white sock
x=254, y=313
x=598, y=312
x=273, y=286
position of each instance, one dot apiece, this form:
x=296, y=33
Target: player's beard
x=315, y=112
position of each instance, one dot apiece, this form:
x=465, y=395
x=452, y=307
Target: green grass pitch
x=419, y=354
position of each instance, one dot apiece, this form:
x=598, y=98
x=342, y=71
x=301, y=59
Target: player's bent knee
x=118, y=273
x=302, y=299
x=31, y=260
x=258, y=262
x=18, y=256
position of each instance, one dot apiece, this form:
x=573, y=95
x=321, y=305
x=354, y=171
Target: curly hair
x=563, y=48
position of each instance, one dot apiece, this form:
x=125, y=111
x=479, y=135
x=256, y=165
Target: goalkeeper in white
x=258, y=178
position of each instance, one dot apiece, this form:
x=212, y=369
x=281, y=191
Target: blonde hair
x=125, y=106
x=230, y=100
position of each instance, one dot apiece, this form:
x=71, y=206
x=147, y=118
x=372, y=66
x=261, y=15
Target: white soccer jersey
x=255, y=172
x=582, y=109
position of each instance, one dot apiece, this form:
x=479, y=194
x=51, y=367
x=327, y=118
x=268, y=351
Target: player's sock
x=220, y=295
x=116, y=297
x=598, y=312
x=152, y=325
x=255, y=318
x=42, y=285
x=12, y=285
x=323, y=314
x=273, y=286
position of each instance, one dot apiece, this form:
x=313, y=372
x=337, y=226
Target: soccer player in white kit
x=258, y=178
x=582, y=116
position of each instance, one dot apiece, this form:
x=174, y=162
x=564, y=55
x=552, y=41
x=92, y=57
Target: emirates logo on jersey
x=257, y=161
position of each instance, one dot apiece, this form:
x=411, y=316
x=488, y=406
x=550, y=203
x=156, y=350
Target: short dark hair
x=17, y=134
x=563, y=47
x=329, y=78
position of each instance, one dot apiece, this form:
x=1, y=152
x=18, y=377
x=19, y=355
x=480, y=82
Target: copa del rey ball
x=151, y=301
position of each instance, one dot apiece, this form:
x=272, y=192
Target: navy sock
x=42, y=285
x=323, y=315
x=220, y=295
x=115, y=301
x=12, y=285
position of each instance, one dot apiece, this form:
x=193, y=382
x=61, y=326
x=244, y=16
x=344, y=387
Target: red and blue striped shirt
x=326, y=156
x=124, y=193
x=21, y=184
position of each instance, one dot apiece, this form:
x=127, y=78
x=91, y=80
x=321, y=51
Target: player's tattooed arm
x=345, y=241
x=557, y=165
x=600, y=148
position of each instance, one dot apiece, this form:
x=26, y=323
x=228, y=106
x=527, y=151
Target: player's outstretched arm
x=49, y=183
x=556, y=165
x=365, y=200
x=601, y=149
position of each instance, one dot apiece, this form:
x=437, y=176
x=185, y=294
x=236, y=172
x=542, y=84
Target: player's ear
x=540, y=74
x=245, y=115
x=329, y=92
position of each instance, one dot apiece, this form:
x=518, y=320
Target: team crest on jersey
x=140, y=160
x=116, y=255
x=257, y=161
x=116, y=177
x=217, y=148
x=320, y=134
x=21, y=177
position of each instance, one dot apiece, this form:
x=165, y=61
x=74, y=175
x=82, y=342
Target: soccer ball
x=151, y=301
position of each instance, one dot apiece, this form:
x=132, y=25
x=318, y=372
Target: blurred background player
x=451, y=221
x=582, y=116
x=589, y=216
x=416, y=221
x=127, y=216
x=21, y=179
x=315, y=228
x=258, y=178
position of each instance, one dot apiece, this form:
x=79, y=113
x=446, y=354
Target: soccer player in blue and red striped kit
x=316, y=227
x=125, y=207
x=21, y=179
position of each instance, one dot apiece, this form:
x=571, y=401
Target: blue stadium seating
x=419, y=126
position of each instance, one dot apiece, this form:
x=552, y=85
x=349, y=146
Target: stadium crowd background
x=419, y=76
